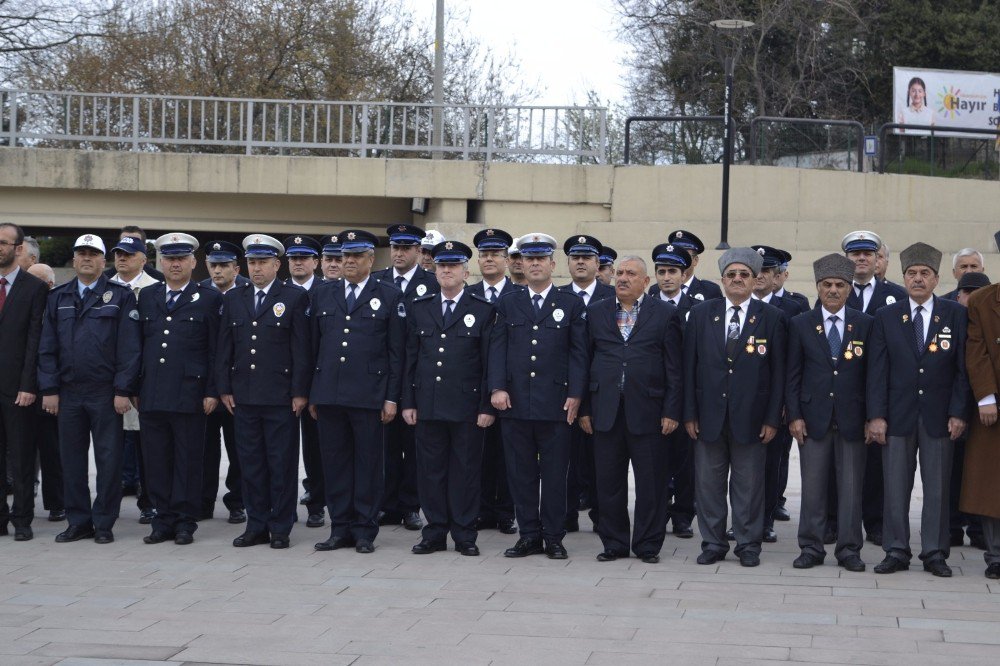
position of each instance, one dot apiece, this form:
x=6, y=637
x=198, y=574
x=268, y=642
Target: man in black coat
x=445, y=398
x=537, y=375
x=827, y=362
x=634, y=403
x=263, y=375
x=918, y=403
x=22, y=304
x=734, y=374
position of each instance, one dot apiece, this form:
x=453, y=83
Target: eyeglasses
x=4, y=243
x=732, y=275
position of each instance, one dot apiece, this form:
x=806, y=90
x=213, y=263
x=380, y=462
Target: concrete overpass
x=629, y=207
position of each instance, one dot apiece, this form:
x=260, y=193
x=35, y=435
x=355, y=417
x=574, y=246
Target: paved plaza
x=128, y=603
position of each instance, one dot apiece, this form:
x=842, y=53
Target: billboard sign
x=945, y=98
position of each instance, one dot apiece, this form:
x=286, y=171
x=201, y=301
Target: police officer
x=537, y=375
x=700, y=290
x=606, y=272
x=180, y=325
x=445, y=398
x=516, y=265
x=827, y=361
x=331, y=258
x=222, y=261
x=263, y=377
x=427, y=244
x=496, y=506
x=302, y=253
x=401, y=503
x=918, y=401
x=359, y=333
x=88, y=367
x=780, y=276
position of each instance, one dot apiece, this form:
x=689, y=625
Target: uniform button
x=170, y=318
x=440, y=364
x=535, y=327
x=347, y=318
x=532, y=374
x=347, y=330
x=831, y=395
x=723, y=395
x=163, y=360
x=730, y=371
x=164, y=345
x=441, y=349
x=921, y=391
x=834, y=373
x=534, y=342
x=253, y=337
x=437, y=379
x=343, y=359
x=254, y=323
x=253, y=351
x=344, y=343
x=921, y=371
x=278, y=324
x=443, y=335
x=533, y=358
x=253, y=367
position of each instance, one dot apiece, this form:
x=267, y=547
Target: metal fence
x=557, y=134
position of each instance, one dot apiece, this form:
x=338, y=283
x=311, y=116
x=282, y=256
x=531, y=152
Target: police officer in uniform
x=359, y=334
x=222, y=261
x=515, y=265
x=445, y=398
x=263, y=377
x=401, y=503
x=88, y=368
x=537, y=375
x=700, y=290
x=331, y=258
x=606, y=272
x=302, y=253
x=496, y=506
x=180, y=324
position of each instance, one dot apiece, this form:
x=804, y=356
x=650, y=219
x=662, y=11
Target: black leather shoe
x=237, y=516
x=315, y=520
x=938, y=568
x=770, y=536
x=650, y=558
x=683, y=531
x=781, y=513
x=184, y=538
x=525, y=547
x=365, y=547
x=852, y=563
x=412, y=521
x=891, y=565
x=23, y=533
x=807, y=561
x=730, y=536
x=467, y=548
x=279, y=541
x=506, y=526
x=956, y=540
x=710, y=557
x=554, y=550
x=977, y=541
x=426, y=547
x=830, y=535
x=103, y=536
x=249, y=538
x=146, y=516
x=57, y=515
x=157, y=536
x=993, y=571
x=335, y=543
x=748, y=559
x=609, y=556
x=75, y=533
x=573, y=524
x=306, y=498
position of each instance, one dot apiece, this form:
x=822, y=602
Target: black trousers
x=86, y=414
x=313, y=463
x=581, y=483
x=17, y=448
x=218, y=428
x=538, y=451
x=400, y=469
x=47, y=440
x=353, y=458
x=495, y=503
x=613, y=449
x=680, y=476
x=777, y=449
x=174, y=454
x=449, y=461
x=267, y=443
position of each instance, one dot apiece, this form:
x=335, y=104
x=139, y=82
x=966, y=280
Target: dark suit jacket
x=20, y=330
x=359, y=353
x=903, y=384
x=424, y=282
x=539, y=360
x=885, y=293
x=650, y=359
x=178, y=348
x=445, y=376
x=817, y=389
x=750, y=392
x=264, y=360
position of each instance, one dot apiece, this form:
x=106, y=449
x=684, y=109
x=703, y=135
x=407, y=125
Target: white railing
x=36, y=118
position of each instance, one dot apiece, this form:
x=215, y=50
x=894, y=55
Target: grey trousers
x=742, y=464
x=991, y=532
x=818, y=457
x=899, y=462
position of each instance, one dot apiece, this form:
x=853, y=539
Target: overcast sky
x=568, y=46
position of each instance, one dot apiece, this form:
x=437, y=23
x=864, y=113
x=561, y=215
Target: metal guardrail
x=661, y=119
x=932, y=129
x=858, y=127
x=150, y=122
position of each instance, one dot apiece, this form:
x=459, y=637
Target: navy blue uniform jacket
x=817, y=389
x=479, y=288
x=650, y=359
x=903, y=385
x=359, y=353
x=539, y=360
x=751, y=391
x=178, y=348
x=423, y=283
x=264, y=360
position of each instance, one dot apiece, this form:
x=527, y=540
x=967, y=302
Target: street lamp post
x=727, y=27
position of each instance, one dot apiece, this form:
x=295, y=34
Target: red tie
x=3, y=292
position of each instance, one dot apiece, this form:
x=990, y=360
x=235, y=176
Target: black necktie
x=918, y=328
x=351, y=298
x=493, y=294
x=449, y=312
x=260, y=304
x=399, y=282
x=537, y=298
x=173, y=294
x=733, y=334
x=583, y=295
x=833, y=338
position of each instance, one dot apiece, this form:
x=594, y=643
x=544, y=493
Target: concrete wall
x=631, y=208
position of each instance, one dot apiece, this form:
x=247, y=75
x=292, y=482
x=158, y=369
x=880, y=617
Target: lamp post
x=727, y=27
x=438, y=114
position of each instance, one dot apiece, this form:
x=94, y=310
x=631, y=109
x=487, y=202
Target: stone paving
x=127, y=603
